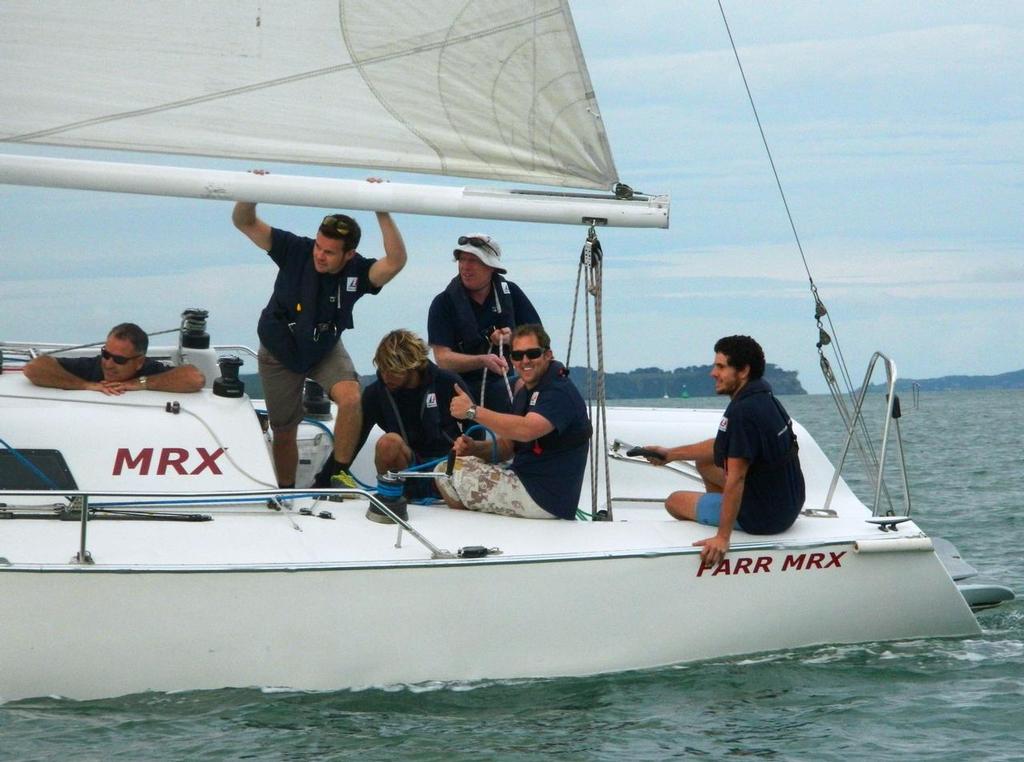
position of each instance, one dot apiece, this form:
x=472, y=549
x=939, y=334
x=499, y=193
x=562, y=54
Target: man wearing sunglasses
x=470, y=323
x=121, y=366
x=547, y=435
x=318, y=283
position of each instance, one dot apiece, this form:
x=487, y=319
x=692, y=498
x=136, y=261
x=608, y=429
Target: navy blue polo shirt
x=553, y=476
x=308, y=310
x=442, y=323
x=425, y=412
x=754, y=427
x=90, y=369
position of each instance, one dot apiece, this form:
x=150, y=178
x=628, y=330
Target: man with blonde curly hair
x=410, y=401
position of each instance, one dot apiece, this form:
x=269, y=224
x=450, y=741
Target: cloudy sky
x=897, y=129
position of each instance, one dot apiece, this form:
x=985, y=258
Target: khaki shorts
x=488, y=488
x=282, y=388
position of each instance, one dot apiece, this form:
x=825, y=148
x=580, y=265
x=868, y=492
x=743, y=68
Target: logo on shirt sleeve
x=431, y=399
x=533, y=398
x=723, y=424
x=504, y=288
x=351, y=283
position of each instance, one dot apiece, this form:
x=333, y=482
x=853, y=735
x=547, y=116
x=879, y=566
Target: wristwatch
x=471, y=413
x=142, y=381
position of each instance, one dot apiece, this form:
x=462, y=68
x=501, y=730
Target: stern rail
x=892, y=413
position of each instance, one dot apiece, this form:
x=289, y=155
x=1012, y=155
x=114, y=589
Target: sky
x=897, y=129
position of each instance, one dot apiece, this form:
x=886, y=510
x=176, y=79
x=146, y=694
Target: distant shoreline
x=640, y=384
x=1012, y=380
x=694, y=382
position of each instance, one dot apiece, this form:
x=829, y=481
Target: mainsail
x=493, y=89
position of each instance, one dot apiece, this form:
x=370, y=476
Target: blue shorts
x=709, y=510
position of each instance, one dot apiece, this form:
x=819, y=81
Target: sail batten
x=492, y=89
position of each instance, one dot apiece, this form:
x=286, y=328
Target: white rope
x=591, y=266
x=483, y=382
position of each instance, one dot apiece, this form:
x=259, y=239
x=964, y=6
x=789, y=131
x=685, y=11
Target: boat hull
x=95, y=632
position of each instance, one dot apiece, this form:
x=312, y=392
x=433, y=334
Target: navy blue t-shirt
x=754, y=427
x=442, y=324
x=90, y=369
x=554, y=476
x=425, y=412
x=308, y=310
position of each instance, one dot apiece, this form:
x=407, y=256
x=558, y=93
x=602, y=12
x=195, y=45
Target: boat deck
x=244, y=536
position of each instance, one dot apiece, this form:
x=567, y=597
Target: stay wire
x=589, y=275
x=819, y=306
x=104, y=341
x=831, y=337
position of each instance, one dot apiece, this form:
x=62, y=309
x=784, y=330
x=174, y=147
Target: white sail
x=494, y=89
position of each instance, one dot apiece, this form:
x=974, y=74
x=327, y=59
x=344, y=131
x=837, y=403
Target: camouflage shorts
x=488, y=488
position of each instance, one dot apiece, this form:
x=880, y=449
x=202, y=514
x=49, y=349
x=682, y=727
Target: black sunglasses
x=335, y=223
x=533, y=353
x=478, y=242
x=119, y=359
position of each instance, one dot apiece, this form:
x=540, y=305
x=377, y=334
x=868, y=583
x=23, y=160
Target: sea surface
x=924, y=699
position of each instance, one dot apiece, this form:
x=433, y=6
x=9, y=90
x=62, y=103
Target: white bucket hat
x=483, y=247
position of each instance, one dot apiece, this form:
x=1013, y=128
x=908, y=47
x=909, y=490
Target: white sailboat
x=161, y=556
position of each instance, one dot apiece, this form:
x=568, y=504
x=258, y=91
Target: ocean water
x=925, y=699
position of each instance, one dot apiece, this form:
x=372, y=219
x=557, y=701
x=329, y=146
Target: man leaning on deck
x=121, y=366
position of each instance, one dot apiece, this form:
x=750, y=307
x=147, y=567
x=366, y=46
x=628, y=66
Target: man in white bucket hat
x=470, y=323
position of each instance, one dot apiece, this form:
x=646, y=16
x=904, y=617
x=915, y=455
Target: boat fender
x=478, y=551
x=902, y=545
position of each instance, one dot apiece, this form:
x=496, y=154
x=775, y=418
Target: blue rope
x=389, y=491
x=428, y=465
x=361, y=483
x=30, y=466
x=494, y=439
x=419, y=467
x=320, y=425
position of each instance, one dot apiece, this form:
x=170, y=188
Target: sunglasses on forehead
x=119, y=359
x=480, y=243
x=533, y=353
x=335, y=223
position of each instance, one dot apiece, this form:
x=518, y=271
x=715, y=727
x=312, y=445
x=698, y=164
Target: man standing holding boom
x=318, y=283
